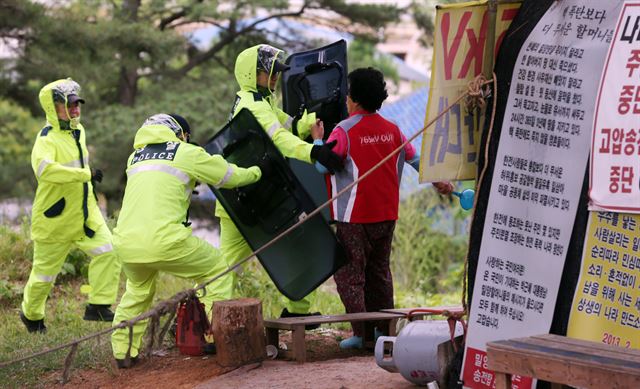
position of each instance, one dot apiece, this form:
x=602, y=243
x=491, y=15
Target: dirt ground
x=349, y=373
x=328, y=367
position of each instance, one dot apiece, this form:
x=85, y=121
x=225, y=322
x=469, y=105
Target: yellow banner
x=606, y=304
x=450, y=146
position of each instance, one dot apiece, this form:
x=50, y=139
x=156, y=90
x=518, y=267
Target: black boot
x=210, y=348
x=98, y=312
x=33, y=325
x=123, y=364
x=286, y=313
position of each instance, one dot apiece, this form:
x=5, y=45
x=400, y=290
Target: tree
x=120, y=44
x=362, y=53
x=134, y=59
x=18, y=130
x=424, y=12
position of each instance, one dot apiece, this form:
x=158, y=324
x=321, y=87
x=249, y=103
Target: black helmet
x=182, y=122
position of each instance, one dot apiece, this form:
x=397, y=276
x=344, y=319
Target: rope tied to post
x=477, y=93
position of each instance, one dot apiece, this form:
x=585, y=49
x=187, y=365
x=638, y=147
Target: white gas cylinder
x=413, y=353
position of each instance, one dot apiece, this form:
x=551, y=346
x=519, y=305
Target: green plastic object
x=309, y=254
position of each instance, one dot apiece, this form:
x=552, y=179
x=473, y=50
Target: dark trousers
x=365, y=283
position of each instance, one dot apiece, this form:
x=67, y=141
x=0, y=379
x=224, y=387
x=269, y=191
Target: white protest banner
x=614, y=177
x=537, y=179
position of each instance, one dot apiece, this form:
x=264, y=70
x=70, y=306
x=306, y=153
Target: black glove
x=326, y=157
x=96, y=175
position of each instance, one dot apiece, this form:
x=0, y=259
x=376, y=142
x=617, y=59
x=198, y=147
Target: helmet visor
x=271, y=60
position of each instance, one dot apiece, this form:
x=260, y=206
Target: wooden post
x=238, y=332
x=490, y=43
x=299, y=347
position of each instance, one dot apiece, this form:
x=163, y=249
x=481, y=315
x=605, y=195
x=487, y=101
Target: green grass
x=64, y=311
x=64, y=322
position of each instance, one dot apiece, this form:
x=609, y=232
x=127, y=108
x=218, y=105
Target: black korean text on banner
x=537, y=180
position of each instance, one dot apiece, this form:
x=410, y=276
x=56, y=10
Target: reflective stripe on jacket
x=161, y=175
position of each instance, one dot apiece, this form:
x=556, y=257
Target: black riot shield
x=308, y=255
x=317, y=82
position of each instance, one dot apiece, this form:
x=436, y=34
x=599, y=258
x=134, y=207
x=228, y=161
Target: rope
x=67, y=363
x=476, y=94
x=164, y=307
x=494, y=79
x=476, y=84
x=175, y=299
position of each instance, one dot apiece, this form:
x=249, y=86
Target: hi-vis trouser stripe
x=101, y=250
x=227, y=177
x=45, y=278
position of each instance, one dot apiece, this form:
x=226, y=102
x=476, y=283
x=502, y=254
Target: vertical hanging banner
x=450, y=146
x=614, y=178
x=606, y=305
x=537, y=180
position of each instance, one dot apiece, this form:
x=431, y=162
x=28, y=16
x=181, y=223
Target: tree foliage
x=362, y=53
x=424, y=13
x=135, y=58
x=18, y=130
x=117, y=44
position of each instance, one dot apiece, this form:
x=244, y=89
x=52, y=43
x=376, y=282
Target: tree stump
x=238, y=331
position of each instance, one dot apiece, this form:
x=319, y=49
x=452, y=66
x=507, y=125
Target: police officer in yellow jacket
x=65, y=212
x=257, y=70
x=152, y=234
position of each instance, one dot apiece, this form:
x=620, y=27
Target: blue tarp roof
x=408, y=113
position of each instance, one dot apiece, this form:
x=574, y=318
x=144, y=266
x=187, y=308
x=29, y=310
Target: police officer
x=152, y=233
x=257, y=70
x=65, y=212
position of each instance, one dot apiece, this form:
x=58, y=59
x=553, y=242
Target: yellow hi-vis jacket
x=161, y=175
x=64, y=203
x=275, y=122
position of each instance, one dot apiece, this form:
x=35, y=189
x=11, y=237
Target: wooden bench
x=297, y=326
x=563, y=360
x=405, y=311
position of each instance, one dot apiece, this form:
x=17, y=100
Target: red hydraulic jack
x=192, y=326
